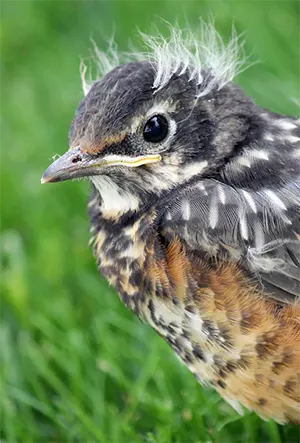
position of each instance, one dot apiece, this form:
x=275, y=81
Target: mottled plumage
x=197, y=225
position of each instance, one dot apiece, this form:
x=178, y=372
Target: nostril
x=76, y=159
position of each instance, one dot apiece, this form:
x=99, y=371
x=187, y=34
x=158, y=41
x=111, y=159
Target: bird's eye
x=156, y=129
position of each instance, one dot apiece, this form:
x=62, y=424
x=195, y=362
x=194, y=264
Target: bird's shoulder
x=259, y=230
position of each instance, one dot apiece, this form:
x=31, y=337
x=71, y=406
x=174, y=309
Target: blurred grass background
x=76, y=365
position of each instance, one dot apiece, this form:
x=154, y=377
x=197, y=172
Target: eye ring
x=156, y=129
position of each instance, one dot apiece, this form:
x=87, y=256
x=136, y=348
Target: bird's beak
x=76, y=164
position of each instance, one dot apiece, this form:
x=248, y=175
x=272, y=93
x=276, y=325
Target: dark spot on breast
x=209, y=327
x=147, y=285
x=266, y=345
x=125, y=243
x=244, y=362
x=170, y=340
x=173, y=324
x=125, y=298
x=134, y=266
x=142, y=298
x=288, y=357
x=178, y=344
x=175, y=301
x=122, y=262
x=245, y=323
x=277, y=367
x=222, y=373
x=262, y=401
x=171, y=330
x=137, y=298
x=143, y=230
x=152, y=311
x=222, y=384
x=158, y=289
x=290, y=385
x=191, y=308
x=186, y=334
x=165, y=292
x=136, y=278
x=159, y=321
x=198, y=353
x=188, y=358
x=230, y=367
x=108, y=245
x=108, y=271
x=162, y=322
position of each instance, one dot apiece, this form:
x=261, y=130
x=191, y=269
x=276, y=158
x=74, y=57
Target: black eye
x=156, y=129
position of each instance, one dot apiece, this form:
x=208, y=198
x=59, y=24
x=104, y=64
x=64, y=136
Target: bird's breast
x=216, y=320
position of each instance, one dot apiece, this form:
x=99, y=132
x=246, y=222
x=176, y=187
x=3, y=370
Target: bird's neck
x=120, y=245
x=115, y=201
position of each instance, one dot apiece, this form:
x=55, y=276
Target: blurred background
x=76, y=365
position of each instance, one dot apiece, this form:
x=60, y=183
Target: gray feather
x=258, y=229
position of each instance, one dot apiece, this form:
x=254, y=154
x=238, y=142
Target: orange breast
x=233, y=335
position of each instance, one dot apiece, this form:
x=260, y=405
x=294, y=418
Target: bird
x=195, y=211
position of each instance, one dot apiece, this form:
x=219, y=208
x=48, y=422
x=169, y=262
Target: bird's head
x=149, y=126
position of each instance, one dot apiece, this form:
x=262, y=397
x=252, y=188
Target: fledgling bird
x=195, y=213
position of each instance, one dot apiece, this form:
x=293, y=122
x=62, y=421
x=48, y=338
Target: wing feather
x=260, y=229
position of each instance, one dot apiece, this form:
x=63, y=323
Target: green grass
x=76, y=365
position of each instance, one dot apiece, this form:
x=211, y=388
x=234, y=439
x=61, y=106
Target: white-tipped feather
x=186, y=210
x=250, y=200
x=243, y=226
x=202, y=55
x=292, y=139
x=259, y=154
x=259, y=237
x=213, y=213
x=275, y=199
x=286, y=125
x=222, y=196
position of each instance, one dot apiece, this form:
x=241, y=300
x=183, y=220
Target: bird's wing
x=258, y=229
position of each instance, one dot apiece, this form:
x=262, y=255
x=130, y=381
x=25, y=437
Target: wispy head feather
x=207, y=60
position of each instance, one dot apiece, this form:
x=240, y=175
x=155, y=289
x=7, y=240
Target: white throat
x=115, y=201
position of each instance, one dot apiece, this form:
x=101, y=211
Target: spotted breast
x=213, y=315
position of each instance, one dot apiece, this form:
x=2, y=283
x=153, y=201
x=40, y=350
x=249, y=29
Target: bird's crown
x=202, y=56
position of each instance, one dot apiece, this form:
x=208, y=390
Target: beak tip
x=62, y=168
x=45, y=179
